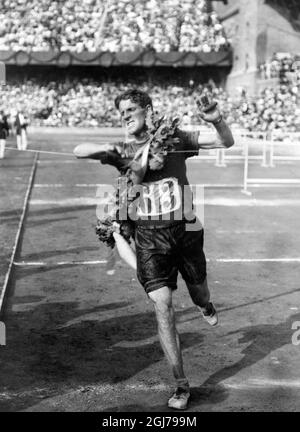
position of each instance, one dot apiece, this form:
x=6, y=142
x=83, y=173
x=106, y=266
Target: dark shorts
x=162, y=252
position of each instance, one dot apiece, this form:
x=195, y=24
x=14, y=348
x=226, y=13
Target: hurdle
x=223, y=156
x=241, y=138
x=291, y=139
x=283, y=182
x=266, y=143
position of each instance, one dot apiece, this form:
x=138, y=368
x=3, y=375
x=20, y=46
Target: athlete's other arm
x=222, y=138
x=93, y=151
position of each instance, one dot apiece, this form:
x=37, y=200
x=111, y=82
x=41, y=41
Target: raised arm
x=222, y=138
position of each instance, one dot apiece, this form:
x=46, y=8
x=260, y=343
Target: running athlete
x=163, y=243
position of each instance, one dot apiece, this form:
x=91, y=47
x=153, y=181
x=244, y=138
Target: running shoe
x=180, y=399
x=209, y=313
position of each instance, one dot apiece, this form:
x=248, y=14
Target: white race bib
x=159, y=198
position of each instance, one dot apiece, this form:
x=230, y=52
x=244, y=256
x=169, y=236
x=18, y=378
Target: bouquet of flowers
x=152, y=156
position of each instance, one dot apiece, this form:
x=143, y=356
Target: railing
x=264, y=146
x=269, y=143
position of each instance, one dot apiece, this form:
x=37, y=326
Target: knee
x=162, y=300
x=199, y=293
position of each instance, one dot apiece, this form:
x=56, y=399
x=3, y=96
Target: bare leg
x=169, y=338
x=19, y=142
x=23, y=139
x=2, y=148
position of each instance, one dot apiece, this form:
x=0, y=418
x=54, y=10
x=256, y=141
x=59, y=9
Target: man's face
x=133, y=116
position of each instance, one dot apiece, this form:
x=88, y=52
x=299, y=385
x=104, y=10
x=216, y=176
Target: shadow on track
x=263, y=339
x=199, y=396
x=47, y=354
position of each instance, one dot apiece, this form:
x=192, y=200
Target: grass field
x=79, y=339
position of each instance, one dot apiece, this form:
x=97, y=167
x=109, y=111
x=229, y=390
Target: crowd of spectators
x=180, y=25
x=109, y=25
x=273, y=108
x=282, y=66
x=90, y=103
x=201, y=31
x=40, y=25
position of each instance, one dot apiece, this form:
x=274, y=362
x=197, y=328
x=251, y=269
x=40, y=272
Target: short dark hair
x=138, y=96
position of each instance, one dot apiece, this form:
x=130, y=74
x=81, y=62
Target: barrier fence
x=290, y=145
x=268, y=148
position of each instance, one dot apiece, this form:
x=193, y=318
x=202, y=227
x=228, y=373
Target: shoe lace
x=209, y=310
x=180, y=392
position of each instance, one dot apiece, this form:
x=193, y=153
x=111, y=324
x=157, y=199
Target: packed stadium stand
x=281, y=66
x=118, y=26
x=90, y=102
x=112, y=25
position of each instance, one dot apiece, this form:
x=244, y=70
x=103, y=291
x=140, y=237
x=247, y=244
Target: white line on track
x=263, y=383
x=249, y=202
x=222, y=202
x=68, y=161
x=246, y=231
x=275, y=185
x=97, y=262
x=63, y=185
x=257, y=260
x=17, y=239
x=273, y=180
x=88, y=201
x=59, y=263
x=205, y=185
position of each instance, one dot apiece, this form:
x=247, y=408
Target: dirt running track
x=79, y=339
